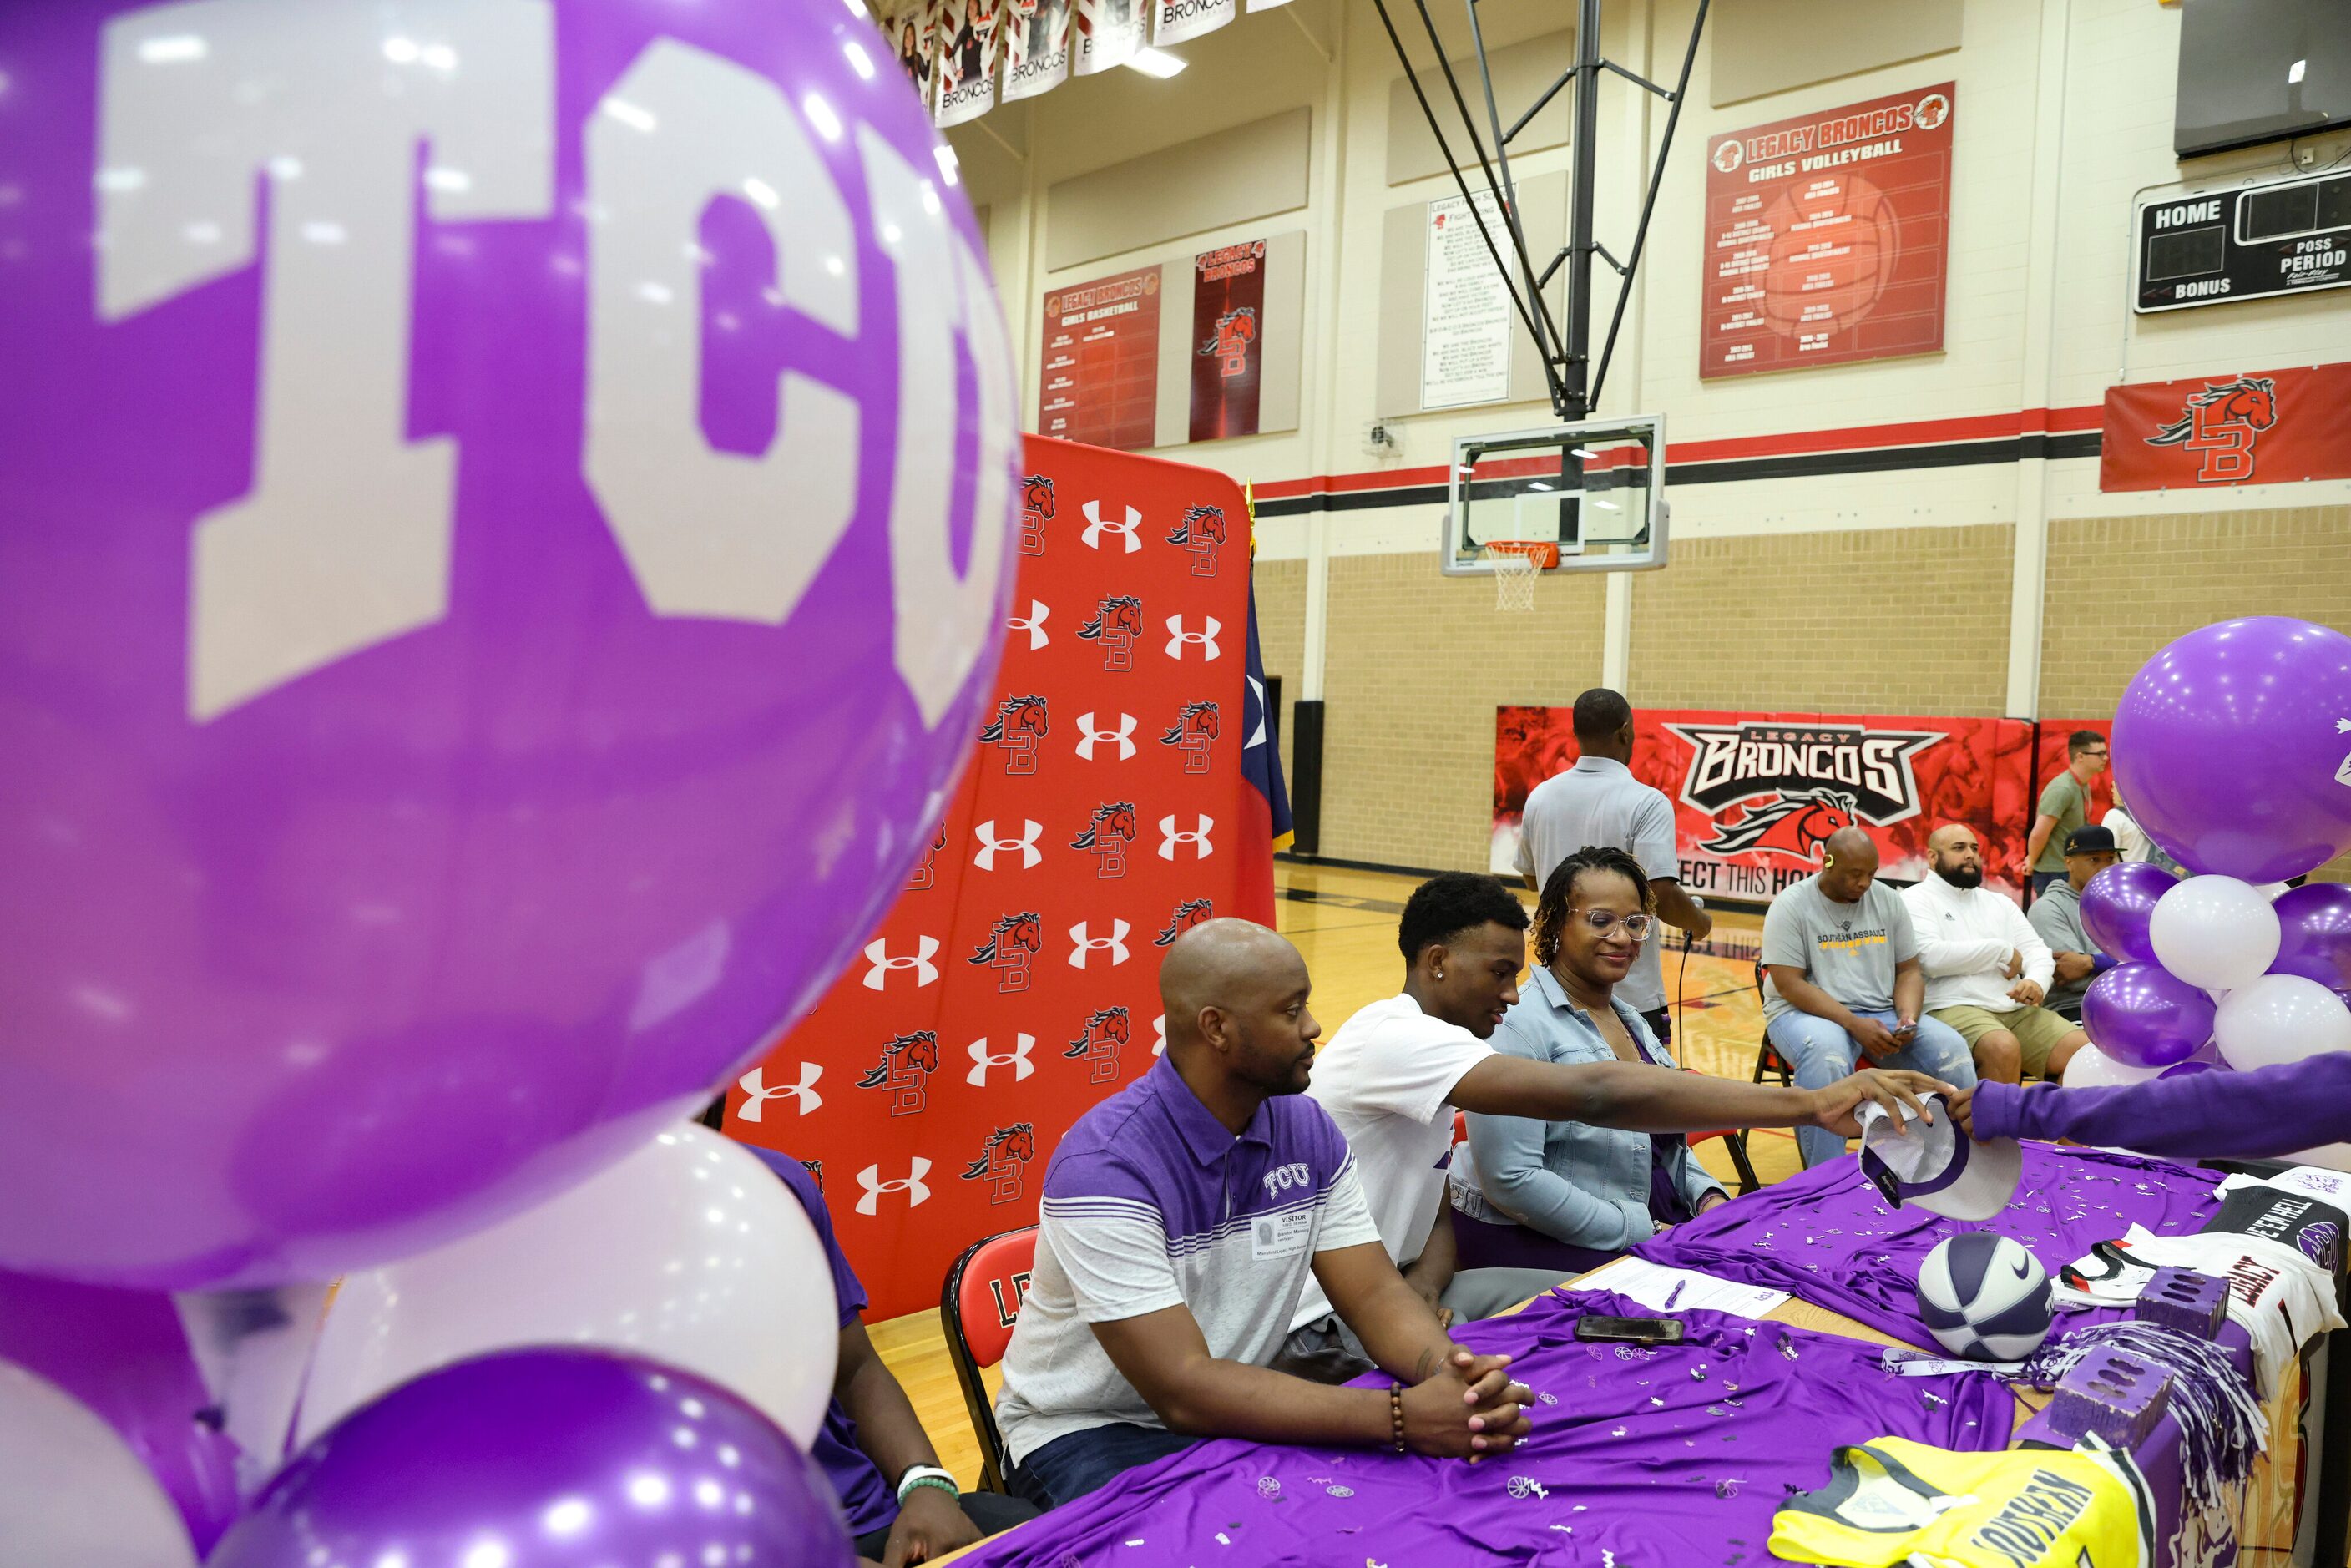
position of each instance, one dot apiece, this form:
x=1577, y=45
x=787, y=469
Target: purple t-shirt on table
x=1676, y=1455
x=2268, y=1112
x=1827, y=1236
x=865, y=1497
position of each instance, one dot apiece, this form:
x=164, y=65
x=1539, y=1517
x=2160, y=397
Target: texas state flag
x=1265, y=802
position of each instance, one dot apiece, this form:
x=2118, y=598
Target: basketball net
x=1517, y=563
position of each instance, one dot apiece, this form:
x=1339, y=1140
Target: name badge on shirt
x=1283, y=1235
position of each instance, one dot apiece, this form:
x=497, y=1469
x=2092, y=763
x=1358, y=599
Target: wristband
x=926, y=1476
x=1396, y=1415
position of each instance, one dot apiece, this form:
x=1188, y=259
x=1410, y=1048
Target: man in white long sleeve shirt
x=1987, y=969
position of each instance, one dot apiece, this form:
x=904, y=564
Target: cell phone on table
x=1628, y=1330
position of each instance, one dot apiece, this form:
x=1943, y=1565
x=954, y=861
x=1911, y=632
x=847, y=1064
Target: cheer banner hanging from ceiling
x=1105, y=810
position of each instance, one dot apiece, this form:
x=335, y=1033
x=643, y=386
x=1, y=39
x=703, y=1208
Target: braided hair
x=1559, y=892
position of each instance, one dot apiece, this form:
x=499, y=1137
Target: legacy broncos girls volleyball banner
x=1108, y=808
x=1756, y=794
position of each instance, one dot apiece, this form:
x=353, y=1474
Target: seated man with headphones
x=1843, y=982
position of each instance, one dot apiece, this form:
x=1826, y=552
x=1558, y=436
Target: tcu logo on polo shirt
x=1177, y=636
x=1035, y=511
x=982, y=1059
x=804, y=1093
x=1192, y=732
x=991, y=846
x=1169, y=838
x=1033, y=623
x=1097, y=525
x=1116, y=624
x=1015, y=939
x=1084, y=944
x=1201, y=531
x=917, y=1190
x=1109, y=835
x=1097, y=1044
x=1281, y=1178
x=905, y=1070
x=1089, y=736
x=1001, y=1160
x=877, y=953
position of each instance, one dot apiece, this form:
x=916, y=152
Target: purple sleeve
x=2204, y=1116
x=846, y=1290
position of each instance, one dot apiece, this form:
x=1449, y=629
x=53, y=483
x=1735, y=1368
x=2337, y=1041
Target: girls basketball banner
x=1827, y=237
x=2270, y=428
x=1756, y=794
x=1104, y=812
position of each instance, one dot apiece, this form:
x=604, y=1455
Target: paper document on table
x=2332, y=1186
x=1670, y=1290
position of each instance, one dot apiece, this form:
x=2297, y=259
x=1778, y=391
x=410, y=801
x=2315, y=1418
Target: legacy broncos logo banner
x=1756, y=794
x=2270, y=427
x=1106, y=810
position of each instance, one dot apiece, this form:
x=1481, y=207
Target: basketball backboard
x=1596, y=489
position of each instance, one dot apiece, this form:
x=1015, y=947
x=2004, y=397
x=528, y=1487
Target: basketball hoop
x=1517, y=563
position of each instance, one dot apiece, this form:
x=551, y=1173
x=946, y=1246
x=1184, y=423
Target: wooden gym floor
x=1344, y=922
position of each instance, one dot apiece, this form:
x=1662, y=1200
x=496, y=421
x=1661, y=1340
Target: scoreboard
x=2285, y=236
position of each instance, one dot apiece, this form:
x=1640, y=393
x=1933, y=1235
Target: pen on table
x=1673, y=1295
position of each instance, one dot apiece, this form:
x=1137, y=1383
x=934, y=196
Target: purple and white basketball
x=503, y=547
x=1984, y=1297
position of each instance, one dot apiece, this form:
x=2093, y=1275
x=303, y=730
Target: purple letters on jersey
x=1677, y=1455
x=1827, y=1236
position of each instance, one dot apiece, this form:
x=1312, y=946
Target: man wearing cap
x=1987, y=969
x=2057, y=916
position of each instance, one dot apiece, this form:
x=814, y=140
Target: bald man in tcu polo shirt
x=1180, y=1220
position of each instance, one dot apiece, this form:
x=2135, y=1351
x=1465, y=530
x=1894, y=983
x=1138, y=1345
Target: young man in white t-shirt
x=1395, y=1072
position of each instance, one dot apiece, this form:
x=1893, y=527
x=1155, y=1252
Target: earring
x=1440, y=973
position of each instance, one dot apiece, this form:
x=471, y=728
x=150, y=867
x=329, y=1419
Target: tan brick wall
x=1895, y=620
x=2121, y=588
x=1281, y=632
x=1418, y=662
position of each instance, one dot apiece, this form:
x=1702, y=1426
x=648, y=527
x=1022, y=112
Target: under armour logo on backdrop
x=877, y=953
x=1097, y=526
x=991, y=846
x=1169, y=838
x=1159, y=1035
x=802, y=1094
x=1085, y=944
x=918, y=1191
x=982, y=1059
x=1033, y=623
x=1123, y=737
x=1177, y=637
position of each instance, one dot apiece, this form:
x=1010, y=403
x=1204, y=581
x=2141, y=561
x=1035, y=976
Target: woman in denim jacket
x=1566, y=1193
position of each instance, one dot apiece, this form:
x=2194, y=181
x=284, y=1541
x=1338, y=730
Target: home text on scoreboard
x=2285, y=236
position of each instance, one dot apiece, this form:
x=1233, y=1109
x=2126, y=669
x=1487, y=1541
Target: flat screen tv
x=2260, y=70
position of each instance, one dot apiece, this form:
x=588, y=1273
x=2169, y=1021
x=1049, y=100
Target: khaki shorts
x=2037, y=1030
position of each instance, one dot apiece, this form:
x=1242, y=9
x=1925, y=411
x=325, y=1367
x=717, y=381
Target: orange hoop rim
x=1544, y=553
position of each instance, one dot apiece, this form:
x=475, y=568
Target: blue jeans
x=1821, y=1052
x=1076, y=1463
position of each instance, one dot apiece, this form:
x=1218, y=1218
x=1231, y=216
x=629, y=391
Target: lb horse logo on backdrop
x=1201, y=532
x=1001, y=1160
x=1194, y=729
x=1108, y=836
x=1816, y=770
x=905, y=1070
x=1190, y=913
x=1116, y=624
x=1035, y=511
x=1097, y=1044
x=1017, y=939
x=1020, y=722
x=925, y=871
x=2221, y=425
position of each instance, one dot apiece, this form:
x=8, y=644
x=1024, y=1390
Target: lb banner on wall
x=1105, y=810
x=2274, y=428
x=1756, y=794
x=1228, y=322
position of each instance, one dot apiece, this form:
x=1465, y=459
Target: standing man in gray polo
x=1598, y=801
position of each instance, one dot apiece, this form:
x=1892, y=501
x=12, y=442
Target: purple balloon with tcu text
x=2232, y=747
x=124, y=1356
x=545, y=1458
x=2118, y=903
x=2314, y=934
x=504, y=544
x=2143, y=1015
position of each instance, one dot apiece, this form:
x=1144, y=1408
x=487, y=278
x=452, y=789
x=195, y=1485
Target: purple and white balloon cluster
x=2233, y=752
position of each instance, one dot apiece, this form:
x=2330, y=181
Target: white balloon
x=72, y=1494
x=2214, y=931
x=2090, y=1068
x=688, y=1251
x=2279, y=1018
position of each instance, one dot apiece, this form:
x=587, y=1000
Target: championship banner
x=1229, y=333
x=1037, y=50
x=1098, y=374
x=912, y=33
x=2274, y=428
x=1108, y=33
x=1827, y=237
x=1756, y=794
x=965, y=40
x=1178, y=21
x=1105, y=810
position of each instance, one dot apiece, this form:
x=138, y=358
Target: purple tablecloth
x=1827, y=1236
x=1673, y=1456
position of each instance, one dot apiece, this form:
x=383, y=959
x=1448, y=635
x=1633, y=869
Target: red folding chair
x=978, y=1307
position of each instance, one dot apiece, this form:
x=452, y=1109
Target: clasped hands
x=1466, y=1408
